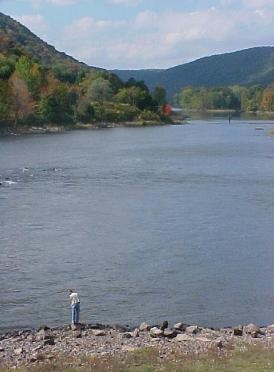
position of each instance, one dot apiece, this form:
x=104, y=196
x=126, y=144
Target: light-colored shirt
x=74, y=299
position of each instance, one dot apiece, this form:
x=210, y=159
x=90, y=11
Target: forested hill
x=245, y=67
x=16, y=38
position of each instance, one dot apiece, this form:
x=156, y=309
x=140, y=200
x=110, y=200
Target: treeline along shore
x=32, y=96
x=78, y=345
x=252, y=99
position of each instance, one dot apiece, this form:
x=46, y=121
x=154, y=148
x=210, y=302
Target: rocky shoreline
x=52, y=129
x=45, y=345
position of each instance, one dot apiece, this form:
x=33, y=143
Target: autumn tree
x=267, y=103
x=21, y=102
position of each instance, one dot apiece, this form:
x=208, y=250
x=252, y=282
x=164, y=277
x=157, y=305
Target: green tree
x=7, y=67
x=159, y=95
x=30, y=72
x=100, y=90
x=135, y=96
x=84, y=110
x=59, y=106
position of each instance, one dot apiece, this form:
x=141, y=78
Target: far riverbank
x=52, y=129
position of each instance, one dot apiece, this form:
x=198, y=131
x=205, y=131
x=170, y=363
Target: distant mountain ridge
x=14, y=36
x=245, y=67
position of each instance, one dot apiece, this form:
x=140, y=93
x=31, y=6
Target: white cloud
x=63, y=2
x=154, y=39
x=258, y=4
x=126, y=2
x=37, y=3
x=86, y=27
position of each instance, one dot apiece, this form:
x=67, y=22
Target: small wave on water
x=7, y=182
x=25, y=174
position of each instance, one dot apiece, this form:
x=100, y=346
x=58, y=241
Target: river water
x=172, y=222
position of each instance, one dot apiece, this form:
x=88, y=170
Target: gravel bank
x=30, y=347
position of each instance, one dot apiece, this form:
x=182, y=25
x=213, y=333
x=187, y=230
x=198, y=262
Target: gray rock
x=18, y=351
x=144, y=327
x=180, y=327
x=192, y=330
x=44, y=328
x=270, y=328
x=98, y=332
x=170, y=333
x=252, y=330
x=127, y=335
x=41, y=335
x=156, y=332
x=121, y=328
x=95, y=326
x=203, y=339
x=39, y=347
x=238, y=331
x=220, y=343
x=77, y=334
x=49, y=341
x=33, y=358
x=183, y=338
x=136, y=332
x=227, y=330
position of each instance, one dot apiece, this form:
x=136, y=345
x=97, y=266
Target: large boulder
x=270, y=329
x=253, y=330
x=136, y=332
x=127, y=335
x=98, y=332
x=42, y=335
x=121, y=328
x=192, y=330
x=156, y=332
x=183, y=338
x=238, y=331
x=180, y=326
x=170, y=333
x=144, y=327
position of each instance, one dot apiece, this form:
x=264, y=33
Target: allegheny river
x=168, y=222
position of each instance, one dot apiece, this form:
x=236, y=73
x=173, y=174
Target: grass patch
x=149, y=360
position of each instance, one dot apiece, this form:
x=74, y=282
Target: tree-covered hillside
x=246, y=67
x=39, y=86
x=14, y=36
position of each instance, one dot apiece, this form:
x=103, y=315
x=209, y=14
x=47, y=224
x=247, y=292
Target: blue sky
x=146, y=33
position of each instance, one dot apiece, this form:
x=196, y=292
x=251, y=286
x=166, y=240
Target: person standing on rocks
x=75, y=306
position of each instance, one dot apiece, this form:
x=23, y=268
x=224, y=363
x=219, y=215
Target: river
x=148, y=224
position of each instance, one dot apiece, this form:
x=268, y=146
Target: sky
x=134, y=34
